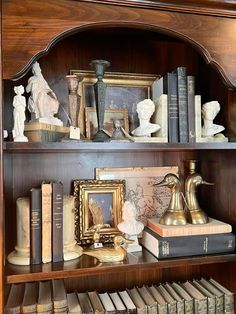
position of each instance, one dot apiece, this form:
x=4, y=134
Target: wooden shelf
x=88, y=266
x=74, y=146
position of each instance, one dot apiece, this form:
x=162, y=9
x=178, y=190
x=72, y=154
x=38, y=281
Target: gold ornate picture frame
x=124, y=91
x=98, y=202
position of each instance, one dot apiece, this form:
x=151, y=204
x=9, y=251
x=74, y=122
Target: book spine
x=57, y=222
x=182, y=103
x=170, y=88
x=36, y=226
x=198, y=117
x=46, y=222
x=191, y=108
x=163, y=247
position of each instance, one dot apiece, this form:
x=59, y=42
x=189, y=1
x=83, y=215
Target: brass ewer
x=174, y=215
x=195, y=215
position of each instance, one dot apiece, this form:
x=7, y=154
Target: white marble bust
x=209, y=112
x=42, y=103
x=19, y=104
x=145, y=110
x=130, y=226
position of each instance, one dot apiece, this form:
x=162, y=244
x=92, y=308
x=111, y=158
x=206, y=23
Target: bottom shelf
x=89, y=266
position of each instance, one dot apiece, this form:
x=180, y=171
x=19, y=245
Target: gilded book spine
x=36, y=226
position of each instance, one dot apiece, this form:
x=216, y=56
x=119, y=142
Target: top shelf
x=92, y=147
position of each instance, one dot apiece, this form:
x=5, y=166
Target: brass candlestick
x=99, y=67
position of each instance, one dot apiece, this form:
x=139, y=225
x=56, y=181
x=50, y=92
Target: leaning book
x=167, y=247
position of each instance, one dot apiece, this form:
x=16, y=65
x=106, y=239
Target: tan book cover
x=59, y=294
x=148, y=299
x=161, y=303
x=212, y=227
x=179, y=300
x=29, y=303
x=171, y=302
x=46, y=221
x=188, y=300
x=96, y=302
x=200, y=301
x=228, y=296
x=138, y=300
x=44, y=303
x=211, y=299
x=73, y=303
x=14, y=300
x=107, y=303
x=119, y=305
x=128, y=302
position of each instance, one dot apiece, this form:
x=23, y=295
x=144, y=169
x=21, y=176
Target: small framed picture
x=98, y=202
x=110, y=116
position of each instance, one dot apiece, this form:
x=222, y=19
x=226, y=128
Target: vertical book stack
x=46, y=223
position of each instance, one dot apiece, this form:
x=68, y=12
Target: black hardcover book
x=182, y=103
x=191, y=108
x=167, y=247
x=36, y=226
x=170, y=88
x=57, y=222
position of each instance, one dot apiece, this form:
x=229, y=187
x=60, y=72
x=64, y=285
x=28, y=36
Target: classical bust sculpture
x=130, y=226
x=19, y=104
x=42, y=103
x=145, y=110
x=209, y=112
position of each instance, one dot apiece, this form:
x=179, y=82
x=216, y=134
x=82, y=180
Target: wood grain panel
x=30, y=28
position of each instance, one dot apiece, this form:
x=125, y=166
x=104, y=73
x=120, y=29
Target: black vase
x=99, y=67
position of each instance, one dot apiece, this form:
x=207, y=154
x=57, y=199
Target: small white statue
x=209, y=112
x=19, y=104
x=42, y=102
x=130, y=226
x=145, y=110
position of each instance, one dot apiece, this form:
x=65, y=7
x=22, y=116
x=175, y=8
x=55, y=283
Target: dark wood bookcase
x=136, y=37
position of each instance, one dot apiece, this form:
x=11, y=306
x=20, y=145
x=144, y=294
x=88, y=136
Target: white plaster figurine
x=130, y=226
x=42, y=103
x=19, y=104
x=145, y=110
x=209, y=112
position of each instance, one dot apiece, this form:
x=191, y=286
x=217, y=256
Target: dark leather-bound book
x=36, y=226
x=29, y=303
x=181, y=73
x=166, y=247
x=14, y=300
x=44, y=304
x=57, y=222
x=191, y=108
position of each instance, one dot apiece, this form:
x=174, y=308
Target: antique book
x=14, y=299
x=46, y=188
x=85, y=304
x=128, y=302
x=198, y=117
x=57, y=222
x=141, y=307
x=107, y=303
x=96, y=302
x=188, y=300
x=45, y=303
x=59, y=294
x=199, y=300
x=35, y=226
x=119, y=305
x=182, y=103
x=179, y=300
x=161, y=302
x=148, y=299
x=218, y=294
x=191, y=108
x=73, y=303
x=160, y=117
x=211, y=299
x=214, y=226
x=167, y=247
x=228, y=296
x=29, y=303
x=171, y=302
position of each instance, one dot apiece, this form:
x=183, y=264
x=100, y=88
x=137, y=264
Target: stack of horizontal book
x=163, y=241
x=46, y=223
x=191, y=297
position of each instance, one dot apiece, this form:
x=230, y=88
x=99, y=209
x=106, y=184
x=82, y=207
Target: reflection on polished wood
x=89, y=266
